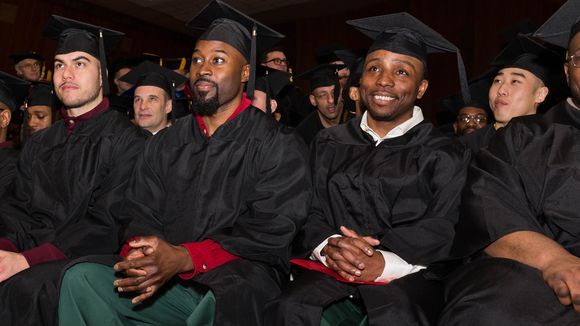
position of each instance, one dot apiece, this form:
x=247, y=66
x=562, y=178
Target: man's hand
x=11, y=263
x=351, y=255
x=562, y=274
x=146, y=274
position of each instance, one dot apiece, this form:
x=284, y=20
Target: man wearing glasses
x=470, y=118
x=28, y=65
x=275, y=59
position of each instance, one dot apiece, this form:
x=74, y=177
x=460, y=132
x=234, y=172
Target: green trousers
x=88, y=297
x=345, y=312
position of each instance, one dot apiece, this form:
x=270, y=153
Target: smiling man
x=386, y=196
x=215, y=201
x=69, y=178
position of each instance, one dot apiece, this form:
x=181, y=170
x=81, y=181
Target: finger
x=348, y=232
x=149, y=292
x=132, y=264
x=129, y=284
x=143, y=241
x=340, y=265
x=356, y=246
x=371, y=241
x=133, y=272
x=561, y=289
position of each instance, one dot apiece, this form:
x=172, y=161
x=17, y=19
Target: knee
x=83, y=274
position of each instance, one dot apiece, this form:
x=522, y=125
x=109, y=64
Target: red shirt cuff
x=44, y=253
x=7, y=245
x=125, y=249
x=205, y=255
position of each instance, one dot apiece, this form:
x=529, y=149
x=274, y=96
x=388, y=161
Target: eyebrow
x=405, y=62
x=218, y=51
x=517, y=74
x=82, y=57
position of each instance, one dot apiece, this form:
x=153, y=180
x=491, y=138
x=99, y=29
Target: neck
x=3, y=134
x=222, y=114
x=382, y=128
x=75, y=112
x=498, y=125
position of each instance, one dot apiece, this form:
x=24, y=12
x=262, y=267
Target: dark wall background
x=476, y=27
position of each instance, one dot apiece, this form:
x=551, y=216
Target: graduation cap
x=177, y=63
x=561, y=27
x=17, y=57
x=350, y=57
x=221, y=22
x=41, y=93
x=151, y=74
x=73, y=35
x=404, y=34
x=12, y=90
x=525, y=53
x=271, y=82
x=327, y=53
x=324, y=75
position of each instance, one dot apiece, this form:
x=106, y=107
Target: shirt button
x=204, y=266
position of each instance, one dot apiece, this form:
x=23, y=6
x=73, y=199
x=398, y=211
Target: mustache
x=205, y=80
x=68, y=83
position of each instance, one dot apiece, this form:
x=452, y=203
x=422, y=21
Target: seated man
x=69, y=177
x=28, y=65
x=386, y=197
x=215, y=200
x=525, y=78
x=519, y=222
x=154, y=95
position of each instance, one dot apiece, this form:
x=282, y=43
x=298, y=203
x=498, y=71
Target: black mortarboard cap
x=404, y=34
x=176, y=63
x=151, y=74
x=221, y=22
x=324, y=75
x=327, y=53
x=41, y=93
x=17, y=57
x=271, y=82
x=350, y=57
x=13, y=90
x=73, y=35
x=525, y=53
x=562, y=25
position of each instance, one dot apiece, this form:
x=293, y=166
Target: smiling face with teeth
x=390, y=85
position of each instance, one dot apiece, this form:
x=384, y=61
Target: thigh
x=502, y=291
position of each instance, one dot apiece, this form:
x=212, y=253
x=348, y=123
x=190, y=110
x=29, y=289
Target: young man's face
x=28, y=69
x=515, y=92
x=77, y=79
x=390, y=85
x=276, y=60
x=216, y=75
x=151, y=105
x=573, y=73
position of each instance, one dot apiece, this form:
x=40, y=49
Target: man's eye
x=402, y=72
x=196, y=60
x=218, y=60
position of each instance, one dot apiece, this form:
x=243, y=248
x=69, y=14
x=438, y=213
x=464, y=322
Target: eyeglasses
x=278, y=61
x=575, y=60
x=30, y=66
x=477, y=118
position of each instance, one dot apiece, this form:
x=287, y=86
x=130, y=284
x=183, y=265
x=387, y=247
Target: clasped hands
x=149, y=264
x=353, y=256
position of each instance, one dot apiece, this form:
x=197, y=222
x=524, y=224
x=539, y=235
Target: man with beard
x=325, y=96
x=519, y=226
x=69, y=178
x=215, y=201
x=386, y=196
x=470, y=118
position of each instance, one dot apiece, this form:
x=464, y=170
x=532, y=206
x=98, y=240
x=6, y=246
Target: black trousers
x=411, y=300
x=496, y=291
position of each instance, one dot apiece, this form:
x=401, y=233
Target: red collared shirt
x=72, y=122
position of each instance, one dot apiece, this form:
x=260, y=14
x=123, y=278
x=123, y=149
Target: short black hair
x=264, y=55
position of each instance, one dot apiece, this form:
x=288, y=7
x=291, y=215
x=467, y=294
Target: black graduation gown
x=478, y=139
x=293, y=106
x=64, y=193
x=309, y=127
x=8, y=158
x=525, y=180
x=248, y=188
x=404, y=192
